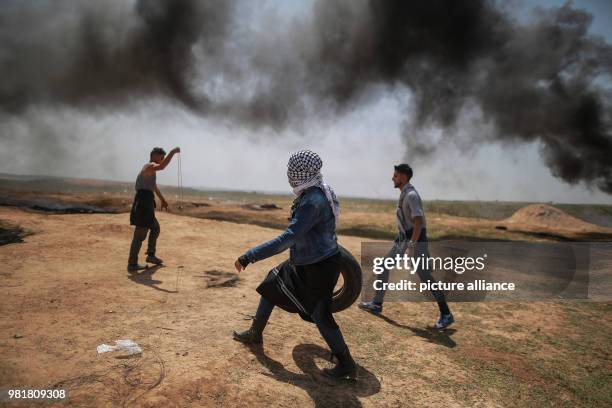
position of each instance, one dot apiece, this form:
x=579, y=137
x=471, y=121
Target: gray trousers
x=420, y=248
x=140, y=233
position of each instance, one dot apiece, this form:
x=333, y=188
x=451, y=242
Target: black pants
x=321, y=316
x=140, y=233
x=420, y=248
x=307, y=290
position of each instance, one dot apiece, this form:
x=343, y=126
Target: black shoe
x=253, y=335
x=345, y=369
x=135, y=267
x=154, y=260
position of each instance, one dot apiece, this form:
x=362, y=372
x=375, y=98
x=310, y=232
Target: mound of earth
x=548, y=218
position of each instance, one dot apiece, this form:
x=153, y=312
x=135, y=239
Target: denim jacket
x=310, y=236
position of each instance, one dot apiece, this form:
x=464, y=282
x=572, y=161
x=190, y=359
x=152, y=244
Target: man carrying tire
x=305, y=283
x=412, y=239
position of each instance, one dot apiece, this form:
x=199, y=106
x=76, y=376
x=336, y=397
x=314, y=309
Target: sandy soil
x=65, y=290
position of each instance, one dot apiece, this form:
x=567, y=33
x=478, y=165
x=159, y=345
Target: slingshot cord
x=180, y=182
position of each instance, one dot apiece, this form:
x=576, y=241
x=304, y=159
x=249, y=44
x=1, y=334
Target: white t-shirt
x=409, y=206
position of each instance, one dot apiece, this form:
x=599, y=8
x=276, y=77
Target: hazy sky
x=359, y=148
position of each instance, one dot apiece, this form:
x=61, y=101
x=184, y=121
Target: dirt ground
x=373, y=219
x=65, y=290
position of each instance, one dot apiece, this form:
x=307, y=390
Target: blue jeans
x=332, y=336
x=420, y=248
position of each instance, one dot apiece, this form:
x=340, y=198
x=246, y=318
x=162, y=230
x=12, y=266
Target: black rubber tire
x=344, y=297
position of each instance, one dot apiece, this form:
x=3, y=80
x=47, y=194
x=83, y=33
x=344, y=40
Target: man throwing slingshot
x=142, y=215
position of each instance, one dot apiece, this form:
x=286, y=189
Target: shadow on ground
x=430, y=334
x=146, y=278
x=11, y=234
x=324, y=391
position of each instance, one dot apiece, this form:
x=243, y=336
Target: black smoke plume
x=85, y=53
x=546, y=80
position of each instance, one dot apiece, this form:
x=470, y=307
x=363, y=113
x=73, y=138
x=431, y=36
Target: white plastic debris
x=129, y=346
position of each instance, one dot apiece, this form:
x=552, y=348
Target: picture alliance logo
x=459, y=265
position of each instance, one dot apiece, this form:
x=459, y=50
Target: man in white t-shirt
x=412, y=236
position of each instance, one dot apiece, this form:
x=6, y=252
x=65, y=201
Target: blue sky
x=600, y=9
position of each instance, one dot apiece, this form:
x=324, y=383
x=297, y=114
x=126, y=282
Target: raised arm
x=153, y=167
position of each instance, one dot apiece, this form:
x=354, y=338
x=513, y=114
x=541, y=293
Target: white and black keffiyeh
x=304, y=171
x=303, y=166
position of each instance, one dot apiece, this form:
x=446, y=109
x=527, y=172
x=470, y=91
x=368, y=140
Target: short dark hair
x=404, y=169
x=157, y=150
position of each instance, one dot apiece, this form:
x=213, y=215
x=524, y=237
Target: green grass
x=493, y=210
x=567, y=367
